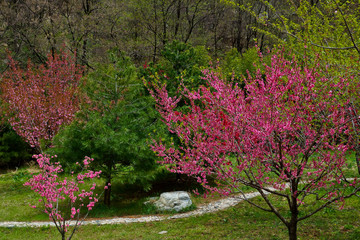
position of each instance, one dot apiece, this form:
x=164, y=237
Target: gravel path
x=208, y=208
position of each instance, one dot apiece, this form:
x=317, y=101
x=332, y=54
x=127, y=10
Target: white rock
x=173, y=201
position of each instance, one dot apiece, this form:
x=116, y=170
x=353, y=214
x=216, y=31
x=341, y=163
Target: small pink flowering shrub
x=54, y=191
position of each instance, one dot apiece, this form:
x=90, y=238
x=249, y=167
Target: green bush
x=236, y=65
x=114, y=126
x=178, y=62
x=13, y=150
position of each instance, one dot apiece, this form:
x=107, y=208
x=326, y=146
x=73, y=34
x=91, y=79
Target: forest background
x=121, y=44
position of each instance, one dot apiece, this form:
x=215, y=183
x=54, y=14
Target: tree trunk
x=357, y=157
x=239, y=26
x=292, y=230
x=164, y=23
x=107, y=192
x=155, y=30
x=292, y=225
x=355, y=123
x=84, y=53
x=178, y=15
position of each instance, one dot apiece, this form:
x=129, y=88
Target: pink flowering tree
x=39, y=99
x=56, y=192
x=284, y=134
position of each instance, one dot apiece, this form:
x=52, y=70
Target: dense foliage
x=141, y=28
x=13, y=150
x=113, y=126
x=179, y=63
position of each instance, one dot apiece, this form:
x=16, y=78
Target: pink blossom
x=37, y=112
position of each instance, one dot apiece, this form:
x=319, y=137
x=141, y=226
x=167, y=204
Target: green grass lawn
x=15, y=198
x=241, y=222
x=126, y=200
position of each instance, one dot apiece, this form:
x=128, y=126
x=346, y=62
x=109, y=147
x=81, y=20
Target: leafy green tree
x=322, y=30
x=179, y=62
x=236, y=65
x=113, y=128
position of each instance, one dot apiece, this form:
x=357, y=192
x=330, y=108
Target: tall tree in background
x=39, y=99
x=327, y=28
x=31, y=29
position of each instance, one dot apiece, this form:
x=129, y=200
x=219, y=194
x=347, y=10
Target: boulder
x=170, y=201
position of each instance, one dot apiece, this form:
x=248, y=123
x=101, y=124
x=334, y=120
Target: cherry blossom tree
x=55, y=192
x=284, y=134
x=41, y=98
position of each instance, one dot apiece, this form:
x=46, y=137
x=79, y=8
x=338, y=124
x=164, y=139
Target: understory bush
x=13, y=150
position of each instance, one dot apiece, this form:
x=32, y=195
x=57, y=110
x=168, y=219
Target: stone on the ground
x=170, y=201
